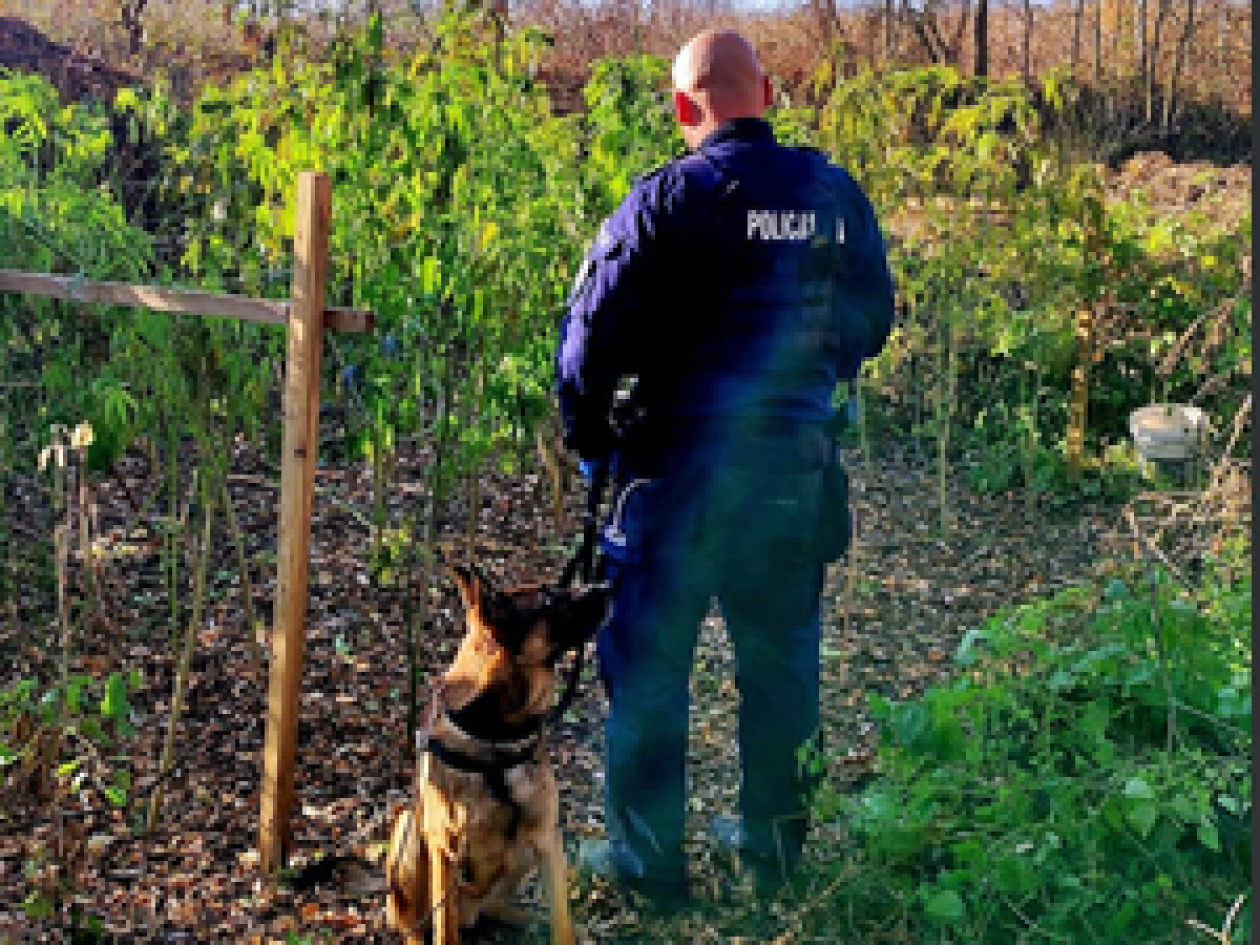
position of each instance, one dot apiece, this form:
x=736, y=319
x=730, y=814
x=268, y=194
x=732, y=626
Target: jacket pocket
x=834, y=529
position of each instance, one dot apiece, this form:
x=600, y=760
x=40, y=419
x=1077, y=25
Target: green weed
x=1085, y=778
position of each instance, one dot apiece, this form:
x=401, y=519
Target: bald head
x=716, y=78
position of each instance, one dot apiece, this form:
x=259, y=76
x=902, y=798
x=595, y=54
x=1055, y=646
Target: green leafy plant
x=1009, y=259
x=58, y=741
x=1086, y=776
x=52, y=736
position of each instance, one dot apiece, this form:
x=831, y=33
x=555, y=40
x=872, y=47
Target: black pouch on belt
x=835, y=522
x=803, y=495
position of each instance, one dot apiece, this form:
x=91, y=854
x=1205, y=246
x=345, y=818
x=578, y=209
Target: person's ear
x=685, y=110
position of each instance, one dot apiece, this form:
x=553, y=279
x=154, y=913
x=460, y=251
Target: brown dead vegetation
x=1106, y=41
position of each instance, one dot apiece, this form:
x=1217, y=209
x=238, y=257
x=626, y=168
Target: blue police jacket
x=737, y=284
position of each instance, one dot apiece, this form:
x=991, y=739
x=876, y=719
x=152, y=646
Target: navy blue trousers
x=671, y=547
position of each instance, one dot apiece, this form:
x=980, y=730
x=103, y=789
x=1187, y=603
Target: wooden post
x=1093, y=309
x=297, y=477
x=1078, y=411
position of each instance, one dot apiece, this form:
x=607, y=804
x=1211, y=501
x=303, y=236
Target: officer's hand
x=587, y=467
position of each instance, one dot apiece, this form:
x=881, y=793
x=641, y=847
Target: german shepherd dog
x=486, y=808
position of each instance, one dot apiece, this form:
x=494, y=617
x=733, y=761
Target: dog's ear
x=493, y=609
x=467, y=583
x=475, y=589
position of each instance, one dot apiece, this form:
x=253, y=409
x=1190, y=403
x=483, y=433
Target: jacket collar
x=739, y=129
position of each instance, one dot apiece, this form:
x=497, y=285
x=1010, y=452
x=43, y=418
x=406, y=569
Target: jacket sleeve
x=870, y=281
x=603, y=336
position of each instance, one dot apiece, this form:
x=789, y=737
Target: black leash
x=582, y=562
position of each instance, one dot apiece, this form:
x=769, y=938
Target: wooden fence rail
x=268, y=311
x=306, y=319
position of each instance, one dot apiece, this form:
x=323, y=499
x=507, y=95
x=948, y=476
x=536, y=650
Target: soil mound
x=76, y=74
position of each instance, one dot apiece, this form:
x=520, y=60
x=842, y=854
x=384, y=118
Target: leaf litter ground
x=891, y=623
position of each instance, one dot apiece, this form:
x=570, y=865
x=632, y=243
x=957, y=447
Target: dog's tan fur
x=455, y=855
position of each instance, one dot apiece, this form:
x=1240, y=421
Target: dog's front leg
x=556, y=879
x=407, y=878
x=443, y=896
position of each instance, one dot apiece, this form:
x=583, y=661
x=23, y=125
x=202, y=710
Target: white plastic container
x=1167, y=434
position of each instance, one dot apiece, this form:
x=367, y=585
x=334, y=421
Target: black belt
x=757, y=446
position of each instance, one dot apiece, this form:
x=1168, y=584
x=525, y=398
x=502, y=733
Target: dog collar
x=523, y=745
x=504, y=757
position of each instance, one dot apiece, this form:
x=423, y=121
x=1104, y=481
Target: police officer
x=737, y=285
